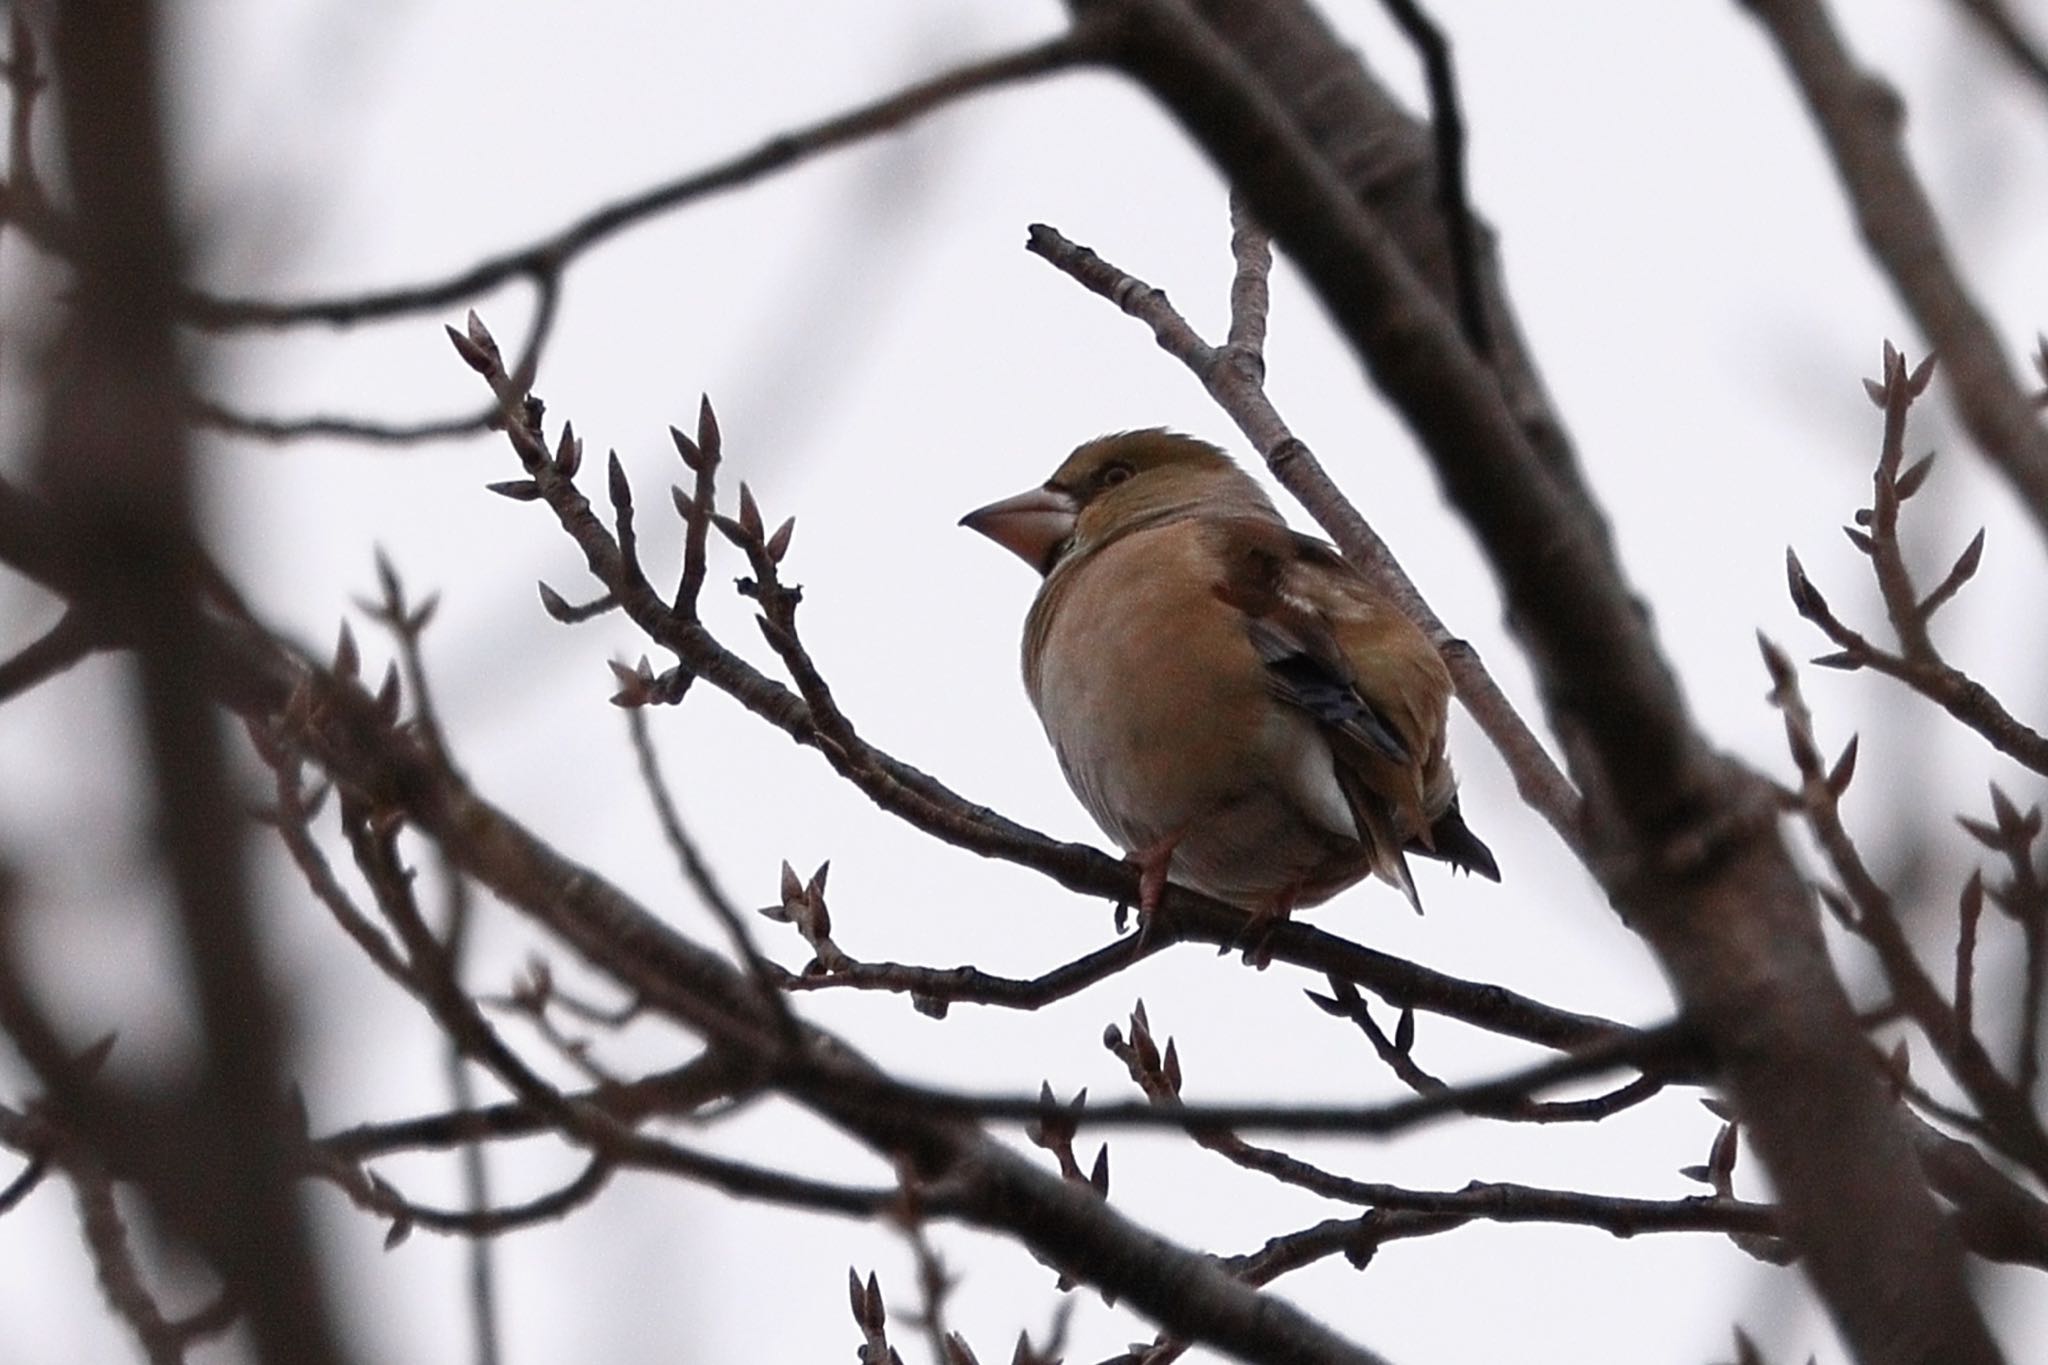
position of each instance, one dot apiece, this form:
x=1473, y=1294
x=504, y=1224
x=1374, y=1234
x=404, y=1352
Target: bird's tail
x=1453, y=841
x=1376, y=830
x=1395, y=870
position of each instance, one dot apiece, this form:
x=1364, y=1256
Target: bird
x=1235, y=704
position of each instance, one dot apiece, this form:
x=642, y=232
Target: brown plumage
x=1234, y=704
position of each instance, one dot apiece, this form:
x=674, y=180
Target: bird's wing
x=1335, y=647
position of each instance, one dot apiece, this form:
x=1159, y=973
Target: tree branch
x=123, y=516
x=1861, y=121
x=544, y=259
x=1682, y=838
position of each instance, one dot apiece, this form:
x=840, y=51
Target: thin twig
x=1918, y=663
x=1359, y=1120
x=1954, y=691
x=934, y=989
x=212, y=413
x=2023, y=896
x=292, y=817
x=1159, y=1075
x=701, y=878
x=544, y=262
x=1357, y=1240
x=373, y=841
x=1251, y=297
x=408, y=624
x=370, y=431
x=25, y=1181
x=164, y=1341
x=334, y=1157
x=1345, y=1001
x=2004, y=27
x=934, y=1281
x=548, y=256
x=477, y=1223
x=1447, y=130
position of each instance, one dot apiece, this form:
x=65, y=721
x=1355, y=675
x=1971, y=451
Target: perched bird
x=1238, y=708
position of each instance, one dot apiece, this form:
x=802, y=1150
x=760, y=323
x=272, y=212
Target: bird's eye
x=1113, y=474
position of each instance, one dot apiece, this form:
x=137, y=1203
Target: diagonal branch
x=2004, y=28
x=1159, y=1076
x=994, y=1187
x=1861, y=120
x=1447, y=130
x=1683, y=839
x=1918, y=664
x=62, y=645
x=698, y=873
x=813, y=720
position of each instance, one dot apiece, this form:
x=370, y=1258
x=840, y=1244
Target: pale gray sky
x=884, y=356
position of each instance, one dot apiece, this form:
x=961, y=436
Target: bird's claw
x=1260, y=928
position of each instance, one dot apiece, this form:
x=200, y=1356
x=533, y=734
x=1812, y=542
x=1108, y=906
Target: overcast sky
x=884, y=355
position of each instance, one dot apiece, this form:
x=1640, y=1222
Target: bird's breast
x=1157, y=705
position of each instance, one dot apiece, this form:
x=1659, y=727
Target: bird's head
x=1114, y=485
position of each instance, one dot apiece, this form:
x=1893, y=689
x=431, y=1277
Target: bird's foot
x=1153, y=863
x=1256, y=938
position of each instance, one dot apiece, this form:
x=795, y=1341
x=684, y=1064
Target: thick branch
x=1683, y=840
x=124, y=509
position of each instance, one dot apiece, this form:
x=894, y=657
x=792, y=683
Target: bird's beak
x=1030, y=525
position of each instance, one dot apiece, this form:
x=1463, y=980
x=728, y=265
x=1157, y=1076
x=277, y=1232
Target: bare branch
x=1918, y=664
x=699, y=875
x=1447, y=124
x=547, y=257
x=2004, y=27
x=1345, y=1001
x=2001, y=1220
x=117, y=469
x=62, y=645
x=2014, y=1125
x=25, y=1181
x=935, y=989
x=163, y=1340
x=1686, y=842
x=1159, y=1077
x=1861, y=120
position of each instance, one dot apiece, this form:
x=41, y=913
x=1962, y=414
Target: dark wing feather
x=1296, y=594
x=1321, y=685
x=1297, y=639
x=1305, y=666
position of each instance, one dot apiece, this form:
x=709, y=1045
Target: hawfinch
x=1235, y=705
